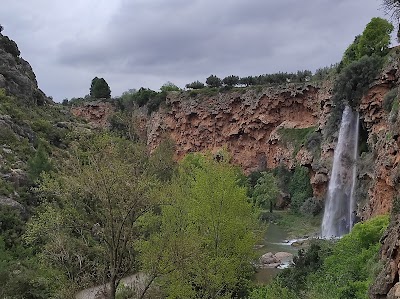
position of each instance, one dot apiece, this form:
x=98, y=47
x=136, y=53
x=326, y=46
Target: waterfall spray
x=340, y=203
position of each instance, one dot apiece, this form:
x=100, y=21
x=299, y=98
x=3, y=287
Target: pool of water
x=275, y=240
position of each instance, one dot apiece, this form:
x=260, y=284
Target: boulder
x=268, y=258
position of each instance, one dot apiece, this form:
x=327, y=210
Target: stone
x=268, y=258
x=283, y=256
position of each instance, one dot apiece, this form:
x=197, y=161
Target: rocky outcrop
x=248, y=123
x=386, y=285
x=16, y=74
x=96, y=113
x=275, y=260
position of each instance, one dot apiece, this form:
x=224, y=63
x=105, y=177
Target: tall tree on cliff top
x=99, y=89
x=375, y=38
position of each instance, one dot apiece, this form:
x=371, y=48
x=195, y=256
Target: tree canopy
x=99, y=89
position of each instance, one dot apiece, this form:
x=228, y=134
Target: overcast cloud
x=134, y=43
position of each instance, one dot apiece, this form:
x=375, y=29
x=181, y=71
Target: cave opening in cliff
x=362, y=139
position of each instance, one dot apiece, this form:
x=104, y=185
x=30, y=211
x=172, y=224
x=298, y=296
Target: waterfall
x=340, y=203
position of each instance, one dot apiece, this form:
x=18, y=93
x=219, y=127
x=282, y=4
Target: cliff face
x=16, y=74
x=96, y=113
x=249, y=123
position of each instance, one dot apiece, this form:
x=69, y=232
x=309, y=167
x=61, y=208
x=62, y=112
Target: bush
x=213, y=81
x=311, y=206
x=299, y=188
x=195, y=85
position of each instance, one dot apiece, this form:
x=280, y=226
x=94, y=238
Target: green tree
x=351, y=53
x=88, y=225
x=231, y=80
x=266, y=191
x=213, y=81
x=299, y=187
x=99, y=89
x=169, y=86
x=203, y=247
x=1, y=28
x=39, y=163
x=375, y=38
x=195, y=85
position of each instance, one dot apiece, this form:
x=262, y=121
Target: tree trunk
x=270, y=206
x=112, y=289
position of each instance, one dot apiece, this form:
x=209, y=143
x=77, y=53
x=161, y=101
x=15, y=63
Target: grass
x=295, y=137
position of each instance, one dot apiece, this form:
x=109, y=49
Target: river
x=275, y=240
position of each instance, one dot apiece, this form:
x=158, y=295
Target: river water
x=275, y=240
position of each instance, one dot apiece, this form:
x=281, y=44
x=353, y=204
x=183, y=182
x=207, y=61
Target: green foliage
x=299, y=188
x=296, y=137
x=11, y=226
x=195, y=85
x=9, y=46
x=231, y=80
x=375, y=39
x=86, y=227
x=202, y=243
x=354, y=80
x=351, y=53
x=265, y=191
x=339, y=269
x=389, y=98
x=38, y=164
x=350, y=86
x=143, y=95
x=99, y=89
x=305, y=263
x=213, y=81
x=274, y=290
x=347, y=272
x=169, y=86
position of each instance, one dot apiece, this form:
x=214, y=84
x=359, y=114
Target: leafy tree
x=203, y=247
x=99, y=89
x=39, y=163
x=1, y=28
x=299, y=187
x=195, y=85
x=169, y=86
x=351, y=53
x=249, y=80
x=213, y=81
x=88, y=225
x=375, y=38
x=231, y=80
x=266, y=191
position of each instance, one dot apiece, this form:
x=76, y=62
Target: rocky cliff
x=16, y=74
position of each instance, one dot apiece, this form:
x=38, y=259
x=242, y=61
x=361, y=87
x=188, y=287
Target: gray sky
x=134, y=43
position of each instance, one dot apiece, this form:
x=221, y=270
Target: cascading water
x=340, y=203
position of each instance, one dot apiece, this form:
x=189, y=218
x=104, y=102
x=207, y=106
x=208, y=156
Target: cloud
x=133, y=43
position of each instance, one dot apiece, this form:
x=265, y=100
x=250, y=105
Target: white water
x=340, y=203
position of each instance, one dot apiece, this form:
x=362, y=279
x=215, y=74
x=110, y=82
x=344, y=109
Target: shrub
x=213, y=81
x=231, y=80
x=195, y=85
x=299, y=187
x=311, y=206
